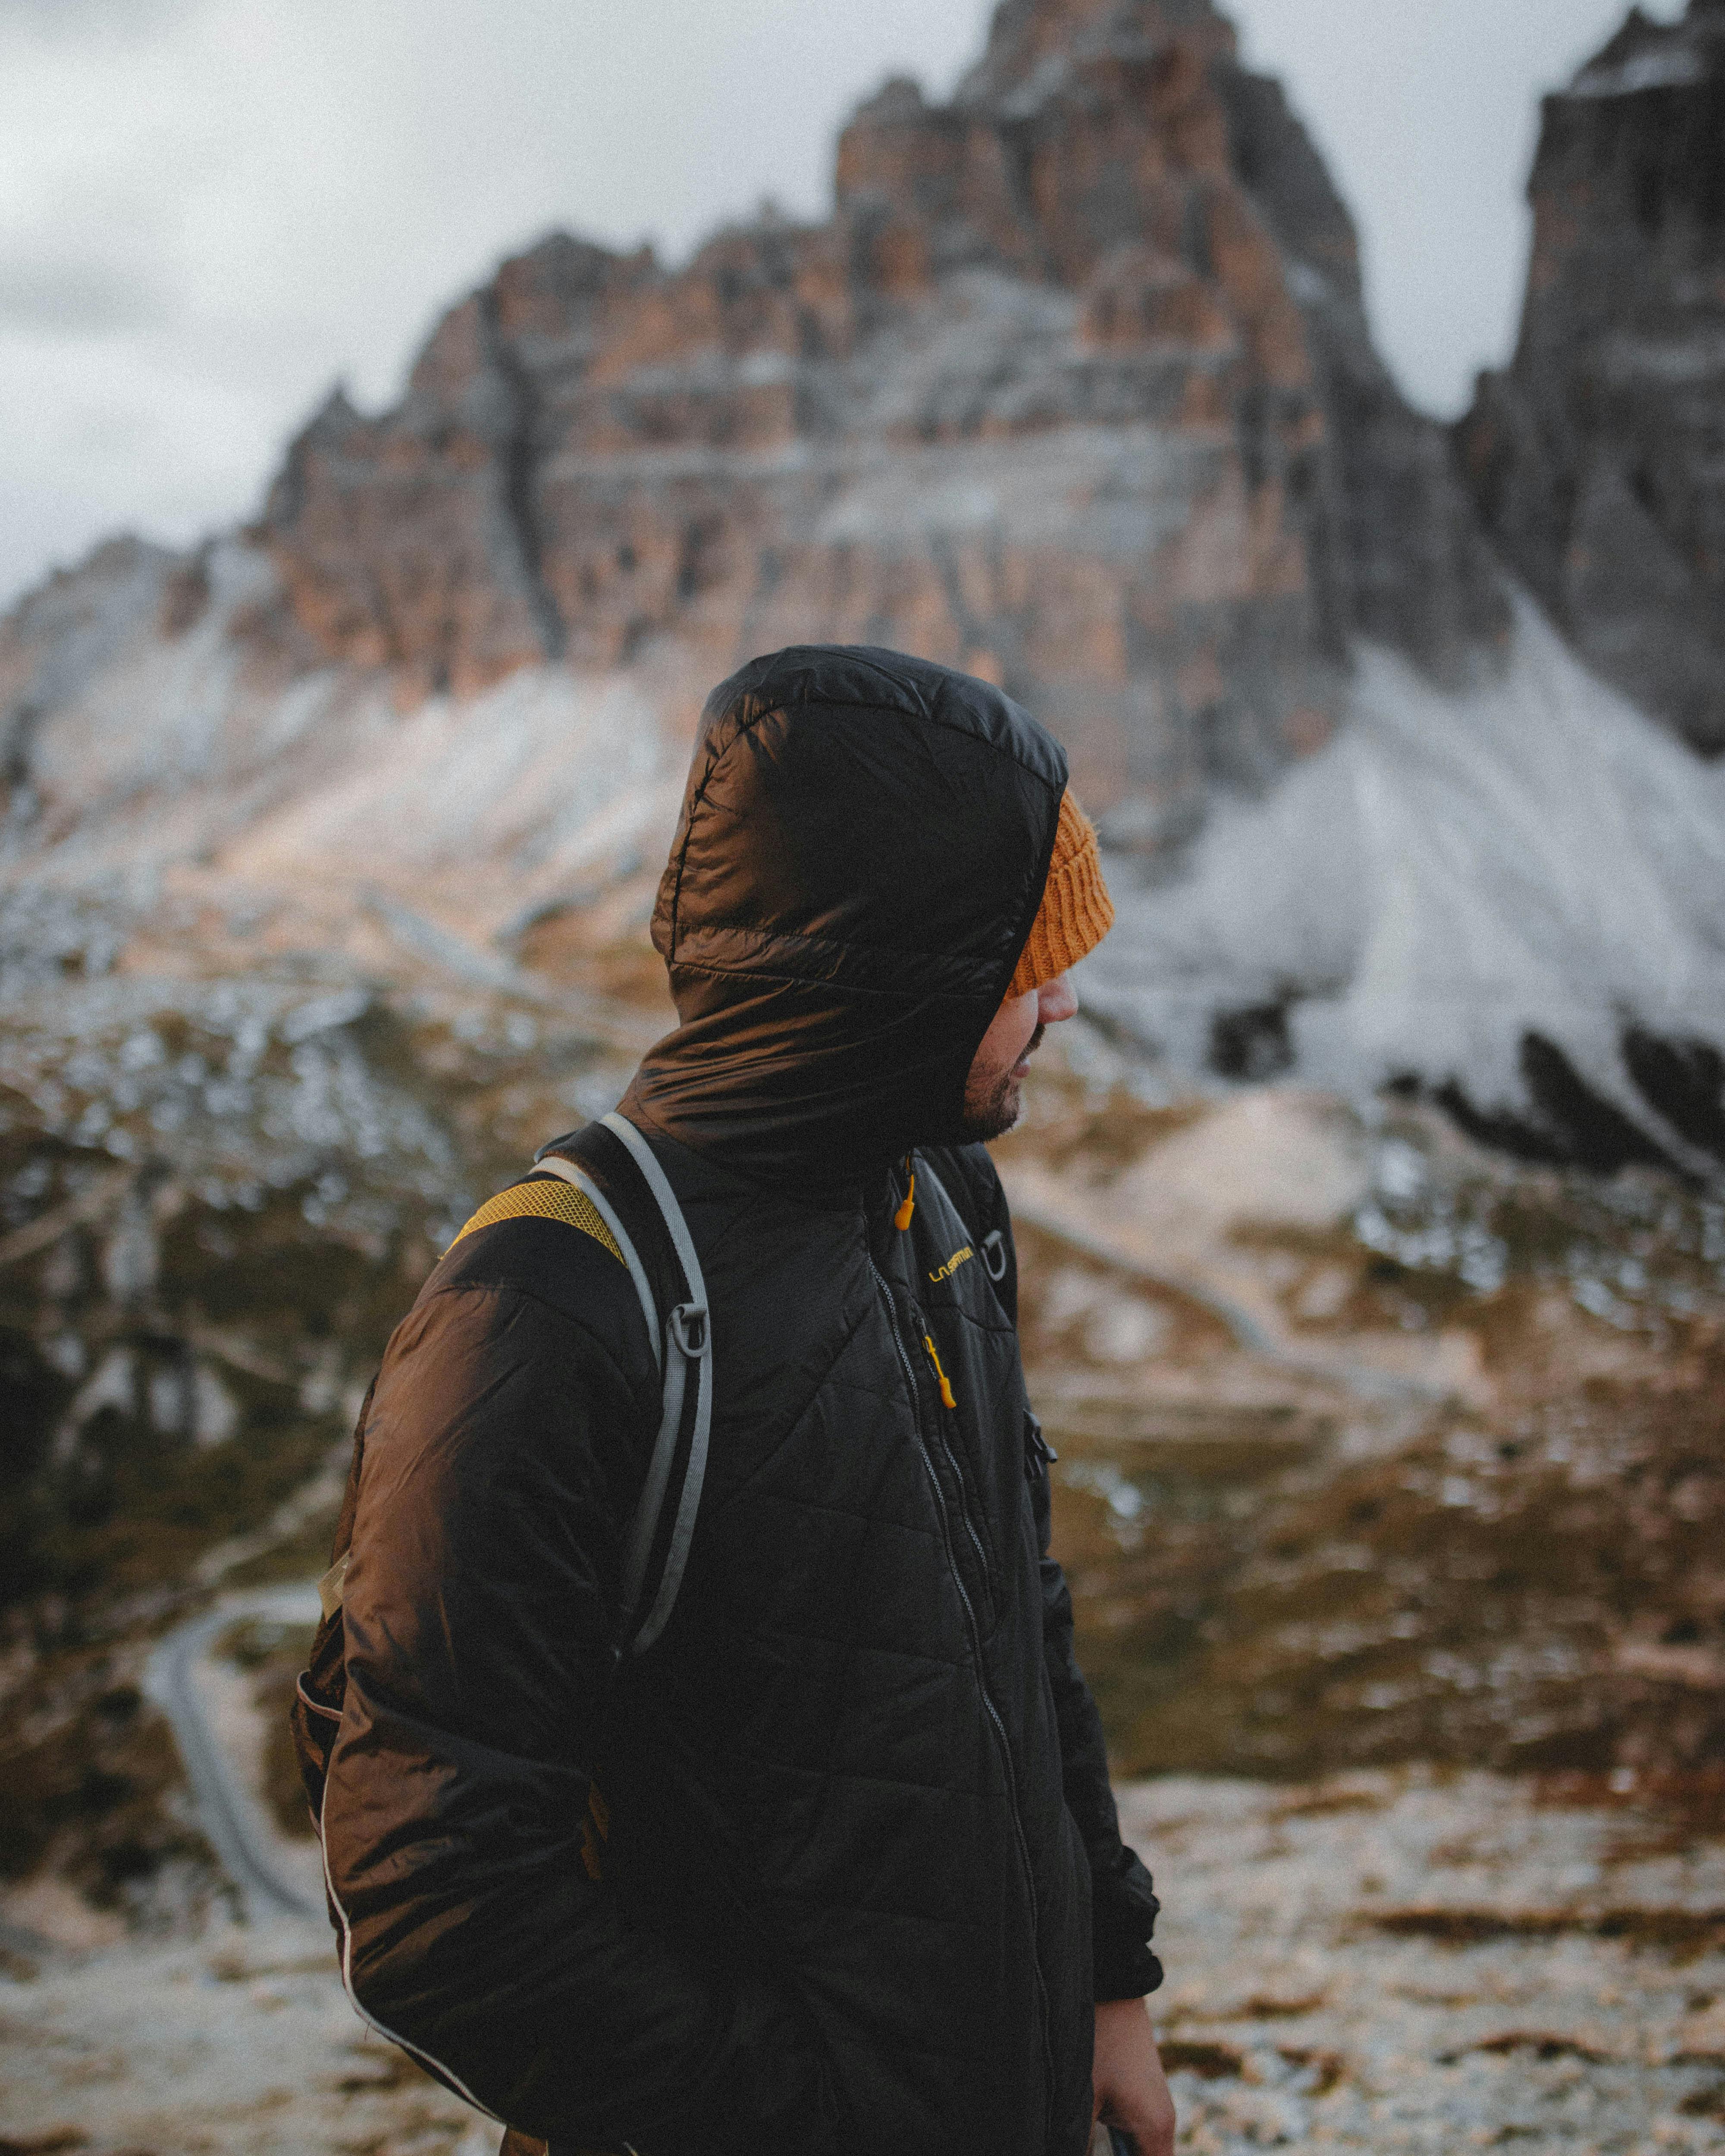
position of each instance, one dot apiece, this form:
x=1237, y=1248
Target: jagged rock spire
x=1593, y=458
x=1074, y=390
x=1032, y=37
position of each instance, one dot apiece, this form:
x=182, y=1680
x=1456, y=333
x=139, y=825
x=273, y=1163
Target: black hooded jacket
x=834, y=1866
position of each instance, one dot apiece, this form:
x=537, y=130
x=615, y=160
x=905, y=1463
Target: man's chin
x=993, y=1116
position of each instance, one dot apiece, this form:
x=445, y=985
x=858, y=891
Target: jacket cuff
x=1123, y=1910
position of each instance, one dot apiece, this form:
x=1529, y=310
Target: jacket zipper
x=982, y=1685
x=947, y=1403
x=901, y=1220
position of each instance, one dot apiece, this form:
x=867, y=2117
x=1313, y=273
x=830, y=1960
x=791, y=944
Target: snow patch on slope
x=1447, y=875
x=177, y=756
x=537, y=774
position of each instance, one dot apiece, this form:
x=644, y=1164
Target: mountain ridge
x=1075, y=389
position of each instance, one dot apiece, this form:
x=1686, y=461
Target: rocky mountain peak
x=1080, y=131
x=1074, y=390
x=1593, y=457
x=1035, y=46
x=1646, y=54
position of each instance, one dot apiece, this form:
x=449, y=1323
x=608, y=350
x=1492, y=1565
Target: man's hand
x=1131, y=2091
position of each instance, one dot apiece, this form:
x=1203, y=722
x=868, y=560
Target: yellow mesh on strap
x=545, y=1201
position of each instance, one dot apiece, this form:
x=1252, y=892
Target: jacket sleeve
x=1123, y=1901
x=504, y=1454
x=1123, y=1905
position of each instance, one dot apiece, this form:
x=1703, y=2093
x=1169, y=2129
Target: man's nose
x=1056, y=999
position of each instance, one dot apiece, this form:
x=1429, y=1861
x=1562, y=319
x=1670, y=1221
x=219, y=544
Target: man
x=857, y=1886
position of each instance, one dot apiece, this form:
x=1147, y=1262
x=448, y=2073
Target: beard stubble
x=993, y=1099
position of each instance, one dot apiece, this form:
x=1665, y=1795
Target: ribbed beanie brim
x=1076, y=911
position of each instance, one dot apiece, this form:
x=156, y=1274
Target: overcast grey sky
x=209, y=209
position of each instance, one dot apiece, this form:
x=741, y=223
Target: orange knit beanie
x=1076, y=911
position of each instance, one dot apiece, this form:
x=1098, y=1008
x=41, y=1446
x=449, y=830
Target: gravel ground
x=1399, y=1962
x=1388, y=1962
x=241, y=2043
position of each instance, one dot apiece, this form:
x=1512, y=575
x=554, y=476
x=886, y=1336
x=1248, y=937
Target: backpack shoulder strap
x=689, y=1329
x=555, y=1164
x=615, y=1167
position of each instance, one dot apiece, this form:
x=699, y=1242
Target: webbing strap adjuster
x=688, y=1327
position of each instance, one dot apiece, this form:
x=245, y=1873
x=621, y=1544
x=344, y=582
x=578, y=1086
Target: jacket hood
x=862, y=847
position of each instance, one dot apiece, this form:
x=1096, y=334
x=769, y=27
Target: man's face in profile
x=994, y=1091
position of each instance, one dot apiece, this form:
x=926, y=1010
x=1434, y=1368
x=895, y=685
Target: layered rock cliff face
x=1597, y=458
x=1074, y=391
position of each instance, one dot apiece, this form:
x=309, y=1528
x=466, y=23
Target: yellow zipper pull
x=902, y=1219
x=946, y=1388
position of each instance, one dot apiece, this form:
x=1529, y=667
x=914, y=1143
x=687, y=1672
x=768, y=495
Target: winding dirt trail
x=273, y=1877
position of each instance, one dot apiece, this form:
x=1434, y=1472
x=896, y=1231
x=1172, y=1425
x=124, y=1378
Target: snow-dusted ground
x=1447, y=874
x=242, y=2044
x=1307, y=2004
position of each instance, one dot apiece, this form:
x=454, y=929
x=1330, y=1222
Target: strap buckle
x=688, y=1327
x=994, y=1254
